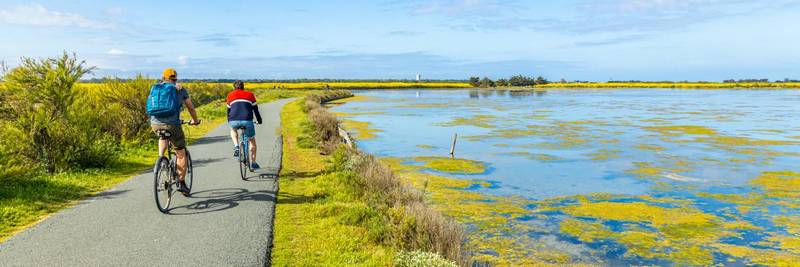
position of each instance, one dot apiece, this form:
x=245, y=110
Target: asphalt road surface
x=226, y=221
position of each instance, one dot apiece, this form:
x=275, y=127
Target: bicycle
x=244, y=152
x=165, y=173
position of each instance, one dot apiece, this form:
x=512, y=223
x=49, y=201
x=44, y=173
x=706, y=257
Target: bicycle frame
x=244, y=152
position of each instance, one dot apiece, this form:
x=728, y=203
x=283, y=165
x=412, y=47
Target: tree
x=500, y=82
x=486, y=82
x=519, y=80
x=541, y=81
x=474, y=81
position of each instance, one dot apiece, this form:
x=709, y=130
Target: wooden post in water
x=453, y=147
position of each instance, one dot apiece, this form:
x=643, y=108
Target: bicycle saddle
x=163, y=133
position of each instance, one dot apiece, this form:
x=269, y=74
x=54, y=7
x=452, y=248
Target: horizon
x=620, y=40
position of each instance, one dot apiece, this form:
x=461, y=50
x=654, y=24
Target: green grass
x=320, y=219
x=24, y=201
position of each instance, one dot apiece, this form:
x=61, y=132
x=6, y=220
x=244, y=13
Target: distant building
x=418, y=77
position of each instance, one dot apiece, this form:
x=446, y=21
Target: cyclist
x=172, y=124
x=241, y=107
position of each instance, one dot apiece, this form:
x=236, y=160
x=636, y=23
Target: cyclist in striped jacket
x=241, y=108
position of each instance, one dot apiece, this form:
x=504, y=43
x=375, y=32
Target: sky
x=599, y=40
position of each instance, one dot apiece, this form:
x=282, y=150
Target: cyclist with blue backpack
x=164, y=106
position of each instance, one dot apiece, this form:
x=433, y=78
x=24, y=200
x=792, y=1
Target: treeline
x=517, y=80
x=786, y=80
x=520, y=80
x=49, y=122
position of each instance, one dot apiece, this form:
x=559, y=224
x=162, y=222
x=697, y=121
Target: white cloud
x=115, y=11
x=461, y=7
x=182, y=60
x=38, y=15
x=115, y=52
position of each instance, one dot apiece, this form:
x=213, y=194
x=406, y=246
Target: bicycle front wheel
x=163, y=185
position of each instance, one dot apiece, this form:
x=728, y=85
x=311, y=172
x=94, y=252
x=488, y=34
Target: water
x=687, y=145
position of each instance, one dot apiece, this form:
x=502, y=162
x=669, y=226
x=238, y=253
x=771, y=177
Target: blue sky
x=441, y=39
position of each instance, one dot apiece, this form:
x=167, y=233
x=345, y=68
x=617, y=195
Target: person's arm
x=258, y=115
x=190, y=107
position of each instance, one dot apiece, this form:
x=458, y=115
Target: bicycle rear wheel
x=189, y=179
x=163, y=184
x=243, y=159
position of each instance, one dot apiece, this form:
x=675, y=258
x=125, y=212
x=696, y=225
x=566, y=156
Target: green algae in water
x=450, y=165
x=784, y=184
x=427, y=146
x=744, y=141
x=649, y=147
x=676, y=130
x=482, y=121
x=363, y=130
x=605, y=154
x=529, y=155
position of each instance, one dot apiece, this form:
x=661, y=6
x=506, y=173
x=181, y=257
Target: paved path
x=226, y=222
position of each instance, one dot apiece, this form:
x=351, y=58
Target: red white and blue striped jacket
x=242, y=105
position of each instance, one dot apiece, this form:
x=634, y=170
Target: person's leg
x=250, y=130
x=253, y=149
x=179, y=142
x=181, y=163
x=235, y=137
x=162, y=147
x=162, y=144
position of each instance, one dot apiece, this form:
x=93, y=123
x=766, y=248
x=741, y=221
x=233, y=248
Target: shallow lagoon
x=588, y=175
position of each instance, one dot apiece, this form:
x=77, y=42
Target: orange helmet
x=169, y=73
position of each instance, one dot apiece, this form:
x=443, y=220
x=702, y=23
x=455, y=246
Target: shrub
x=204, y=93
x=324, y=125
x=421, y=259
x=49, y=124
x=127, y=101
x=415, y=225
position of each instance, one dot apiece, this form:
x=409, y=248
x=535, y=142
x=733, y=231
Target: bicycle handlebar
x=190, y=122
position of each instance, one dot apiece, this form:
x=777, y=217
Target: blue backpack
x=163, y=100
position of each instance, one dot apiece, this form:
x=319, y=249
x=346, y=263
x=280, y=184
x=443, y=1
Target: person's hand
x=178, y=86
x=194, y=122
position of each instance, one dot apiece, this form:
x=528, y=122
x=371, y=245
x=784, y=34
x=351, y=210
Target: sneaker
x=236, y=152
x=183, y=188
x=254, y=166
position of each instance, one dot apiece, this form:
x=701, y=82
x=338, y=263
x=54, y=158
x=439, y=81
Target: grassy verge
x=24, y=201
x=346, y=208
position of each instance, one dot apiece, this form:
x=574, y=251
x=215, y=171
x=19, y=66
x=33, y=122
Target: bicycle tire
x=243, y=160
x=189, y=179
x=162, y=186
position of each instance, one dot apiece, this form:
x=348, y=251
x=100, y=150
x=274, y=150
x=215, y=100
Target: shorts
x=176, y=138
x=250, y=128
